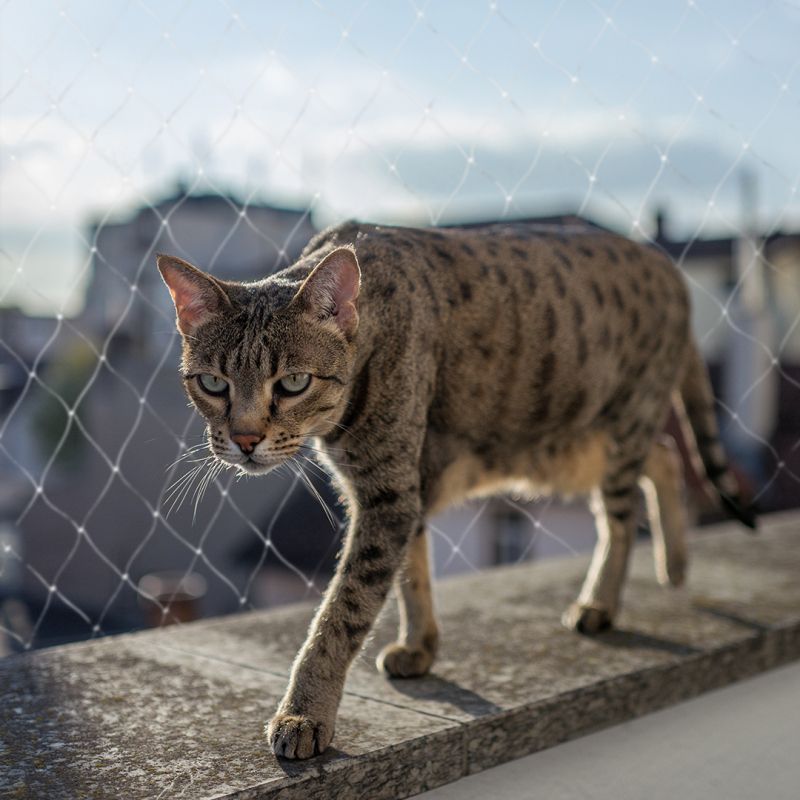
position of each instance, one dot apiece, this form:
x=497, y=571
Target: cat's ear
x=198, y=297
x=331, y=290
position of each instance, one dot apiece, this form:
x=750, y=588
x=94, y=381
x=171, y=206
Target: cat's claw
x=399, y=661
x=297, y=736
x=586, y=619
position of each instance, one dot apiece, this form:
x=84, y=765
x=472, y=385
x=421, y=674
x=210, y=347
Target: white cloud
x=369, y=144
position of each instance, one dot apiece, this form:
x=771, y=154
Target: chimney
x=661, y=224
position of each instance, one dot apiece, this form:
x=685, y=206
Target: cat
x=432, y=365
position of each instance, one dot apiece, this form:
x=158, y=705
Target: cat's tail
x=694, y=407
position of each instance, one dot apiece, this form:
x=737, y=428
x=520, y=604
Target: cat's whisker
x=345, y=428
x=281, y=466
x=208, y=478
x=313, y=489
x=198, y=490
x=325, y=450
x=190, y=451
x=211, y=477
x=322, y=453
x=175, y=485
x=310, y=458
x=179, y=496
x=181, y=488
x=185, y=457
x=317, y=449
x=197, y=446
x=315, y=434
x=318, y=469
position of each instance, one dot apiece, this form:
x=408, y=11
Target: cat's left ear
x=198, y=297
x=331, y=290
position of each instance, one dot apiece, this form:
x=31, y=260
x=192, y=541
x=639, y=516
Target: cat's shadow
x=432, y=687
x=721, y=612
x=620, y=637
x=635, y=640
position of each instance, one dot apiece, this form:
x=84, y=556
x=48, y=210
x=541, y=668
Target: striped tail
x=695, y=410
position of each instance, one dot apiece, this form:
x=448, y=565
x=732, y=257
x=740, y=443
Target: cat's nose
x=247, y=441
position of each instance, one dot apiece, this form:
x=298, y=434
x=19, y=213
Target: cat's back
x=500, y=290
x=460, y=264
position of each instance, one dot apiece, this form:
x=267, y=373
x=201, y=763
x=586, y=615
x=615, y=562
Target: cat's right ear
x=198, y=297
x=331, y=290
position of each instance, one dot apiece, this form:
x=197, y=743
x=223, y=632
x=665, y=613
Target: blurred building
x=215, y=232
x=104, y=466
x=746, y=302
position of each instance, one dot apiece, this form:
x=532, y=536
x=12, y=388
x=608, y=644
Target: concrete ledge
x=179, y=711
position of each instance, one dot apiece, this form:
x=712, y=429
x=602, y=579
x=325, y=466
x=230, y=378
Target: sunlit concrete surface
x=180, y=711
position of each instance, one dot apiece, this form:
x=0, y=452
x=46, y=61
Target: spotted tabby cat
x=435, y=365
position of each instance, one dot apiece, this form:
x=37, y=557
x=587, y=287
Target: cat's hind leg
x=614, y=507
x=414, y=651
x=662, y=484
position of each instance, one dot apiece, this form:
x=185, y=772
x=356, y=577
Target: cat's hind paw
x=400, y=661
x=673, y=572
x=297, y=736
x=586, y=619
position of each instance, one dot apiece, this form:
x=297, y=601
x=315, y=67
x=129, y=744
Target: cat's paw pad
x=400, y=661
x=585, y=619
x=297, y=736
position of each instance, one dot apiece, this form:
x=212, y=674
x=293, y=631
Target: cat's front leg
x=376, y=541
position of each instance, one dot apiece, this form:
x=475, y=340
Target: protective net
x=228, y=133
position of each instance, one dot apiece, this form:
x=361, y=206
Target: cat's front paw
x=587, y=619
x=298, y=736
x=400, y=661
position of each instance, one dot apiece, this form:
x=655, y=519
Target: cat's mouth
x=251, y=466
x=248, y=465
x=255, y=463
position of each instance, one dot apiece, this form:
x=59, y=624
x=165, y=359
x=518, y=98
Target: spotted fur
x=447, y=364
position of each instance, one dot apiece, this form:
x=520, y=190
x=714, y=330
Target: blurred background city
x=228, y=133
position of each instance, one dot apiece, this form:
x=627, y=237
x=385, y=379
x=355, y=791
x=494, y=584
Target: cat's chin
x=251, y=467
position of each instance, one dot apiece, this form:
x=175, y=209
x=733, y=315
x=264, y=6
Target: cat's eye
x=295, y=383
x=212, y=384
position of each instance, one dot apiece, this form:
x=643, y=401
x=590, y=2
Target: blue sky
x=393, y=111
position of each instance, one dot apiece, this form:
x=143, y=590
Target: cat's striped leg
x=613, y=506
x=662, y=484
x=418, y=637
x=376, y=543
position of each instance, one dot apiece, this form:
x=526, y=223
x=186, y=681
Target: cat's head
x=266, y=364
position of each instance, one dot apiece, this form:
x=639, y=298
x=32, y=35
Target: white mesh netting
x=227, y=133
